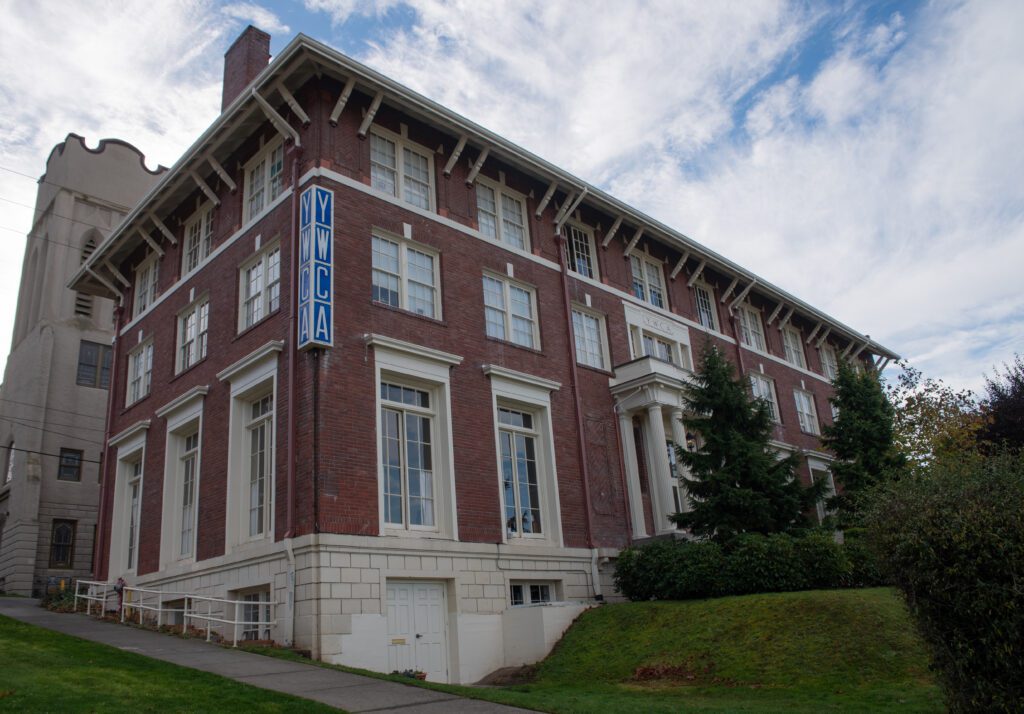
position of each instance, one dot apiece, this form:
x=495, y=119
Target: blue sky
x=866, y=157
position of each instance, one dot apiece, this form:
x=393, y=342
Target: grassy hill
x=850, y=650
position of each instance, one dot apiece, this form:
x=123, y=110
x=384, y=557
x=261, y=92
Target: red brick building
x=488, y=425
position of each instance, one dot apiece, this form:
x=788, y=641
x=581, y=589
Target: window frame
x=266, y=302
x=602, y=337
x=199, y=226
x=749, y=318
x=403, y=144
x=815, y=425
x=406, y=246
x=104, y=357
x=579, y=234
x=526, y=590
x=265, y=420
x=508, y=436
x=77, y=466
x=146, y=287
x=821, y=505
x=135, y=478
x=144, y=380
x=829, y=362
x=406, y=410
x=54, y=562
x=201, y=338
x=712, y=312
x=264, y=155
x=646, y=263
x=506, y=311
x=772, y=396
x=792, y=347
x=501, y=191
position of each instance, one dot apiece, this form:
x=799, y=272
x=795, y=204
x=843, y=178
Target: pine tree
x=861, y=437
x=737, y=482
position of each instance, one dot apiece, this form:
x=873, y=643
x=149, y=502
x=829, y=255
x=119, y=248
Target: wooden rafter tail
x=611, y=232
x=152, y=243
x=283, y=128
x=696, y=274
x=775, y=313
x=728, y=290
x=568, y=208
x=370, y=114
x=746, y=291
x=679, y=265
x=477, y=165
x=292, y=102
x=204, y=187
x=222, y=173
x=117, y=274
x=546, y=199
x=454, y=158
x=339, y=106
x=633, y=242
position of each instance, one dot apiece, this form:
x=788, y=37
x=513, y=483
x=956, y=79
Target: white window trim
x=260, y=255
x=144, y=299
x=715, y=327
x=518, y=390
x=790, y=333
x=499, y=189
x=822, y=466
x=146, y=385
x=754, y=315
x=409, y=364
x=403, y=142
x=640, y=321
x=554, y=589
x=251, y=377
x=404, y=245
x=645, y=261
x=203, y=218
x=184, y=416
x=131, y=448
x=772, y=394
x=506, y=282
x=179, y=365
x=588, y=235
x=602, y=330
x=826, y=366
x=815, y=425
x=265, y=152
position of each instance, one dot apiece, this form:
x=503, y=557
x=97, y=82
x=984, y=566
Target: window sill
x=137, y=402
x=188, y=369
x=253, y=326
x=599, y=370
x=534, y=350
x=408, y=313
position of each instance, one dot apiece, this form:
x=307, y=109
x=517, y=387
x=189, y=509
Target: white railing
x=211, y=612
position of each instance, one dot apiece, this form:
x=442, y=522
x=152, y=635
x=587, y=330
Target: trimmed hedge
x=684, y=570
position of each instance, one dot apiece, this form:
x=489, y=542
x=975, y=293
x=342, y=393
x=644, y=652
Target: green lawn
x=45, y=671
x=841, y=650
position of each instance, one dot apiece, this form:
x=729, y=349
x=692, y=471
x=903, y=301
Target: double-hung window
x=93, y=365
x=264, y=178
x=147, y=280
x=588, y=333
x=647, y=280
x=703, y=296
x=401, y=169
x=140, y=372
x=582, y=255
x=260, y=430
x=805, y=411
x=260, y=286
x=70, y=468
x=189, y=469
x=407, y=456
x=134, y=505
x=658, y=347
x=517, y=439
x=198, y=239
x=829, y=363
x=751, y=332
x=510, y=312
x=794, y=350
x=501, y=214
x=405, y=276
x=193, y=326
x=764, y=388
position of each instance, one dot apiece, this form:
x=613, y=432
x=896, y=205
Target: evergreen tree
x=1004, y=407
x=738, y=483
x=861, y=437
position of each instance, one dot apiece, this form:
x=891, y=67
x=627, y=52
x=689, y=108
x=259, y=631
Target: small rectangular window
x=806, y=412
x=525, y=593
x=70, y=468
x=582, y=256
x=140, y=372
x=93, y=365
x=500, y=214
x=706, y=313
x=193, y=329
x=260, y=286
x=264, y=179
x=198, y=239
x=147, y=284
x=589, y=335
x=751, y=332
x=62, y=544
x=794, y=350
x=764, y=388
x=401, y=169
x=647, y=280
x=829, y=363
x=510, y=312
x=405, y=276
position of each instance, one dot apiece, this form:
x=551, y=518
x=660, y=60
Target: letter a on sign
x=316, y=268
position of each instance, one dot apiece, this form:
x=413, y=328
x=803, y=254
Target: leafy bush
x=865, y=568
x=751, y=563
x=953, y=540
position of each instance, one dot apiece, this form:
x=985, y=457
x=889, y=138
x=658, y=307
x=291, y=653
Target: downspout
x=577, y=406
x=98, y=555
x=739, y=347
x=289, y=533
x=317, y=649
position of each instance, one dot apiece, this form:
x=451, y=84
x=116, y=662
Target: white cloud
x=256, y=15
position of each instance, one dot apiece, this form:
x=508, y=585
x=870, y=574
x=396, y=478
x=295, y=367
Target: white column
x=661, y=485
x=636, y=501
x=679, y=437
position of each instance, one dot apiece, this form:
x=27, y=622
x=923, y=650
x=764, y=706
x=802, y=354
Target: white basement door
x=416, y=629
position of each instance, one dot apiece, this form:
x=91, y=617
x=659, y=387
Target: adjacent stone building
x=413, y=384
x=54, y=396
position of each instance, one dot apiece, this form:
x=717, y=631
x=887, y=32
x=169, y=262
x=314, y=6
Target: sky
x=867, y=157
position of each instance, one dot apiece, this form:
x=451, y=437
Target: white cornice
x=226, y=374
x=493, y=370
x=197, y=392
x=128, y=433
x=409, y=348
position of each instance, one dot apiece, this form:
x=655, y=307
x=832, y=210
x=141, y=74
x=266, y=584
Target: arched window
x=62, y=544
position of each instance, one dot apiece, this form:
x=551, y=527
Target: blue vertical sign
x=316, y=268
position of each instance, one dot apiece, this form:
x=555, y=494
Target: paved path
x=351, y=692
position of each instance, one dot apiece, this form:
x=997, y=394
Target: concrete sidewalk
x=351, y=692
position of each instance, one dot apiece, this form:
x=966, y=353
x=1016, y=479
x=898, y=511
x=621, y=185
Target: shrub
x=865, y=568
x=953, y=540
x=669, y=570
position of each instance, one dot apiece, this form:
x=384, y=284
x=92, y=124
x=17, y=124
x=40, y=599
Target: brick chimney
x=245, y=59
